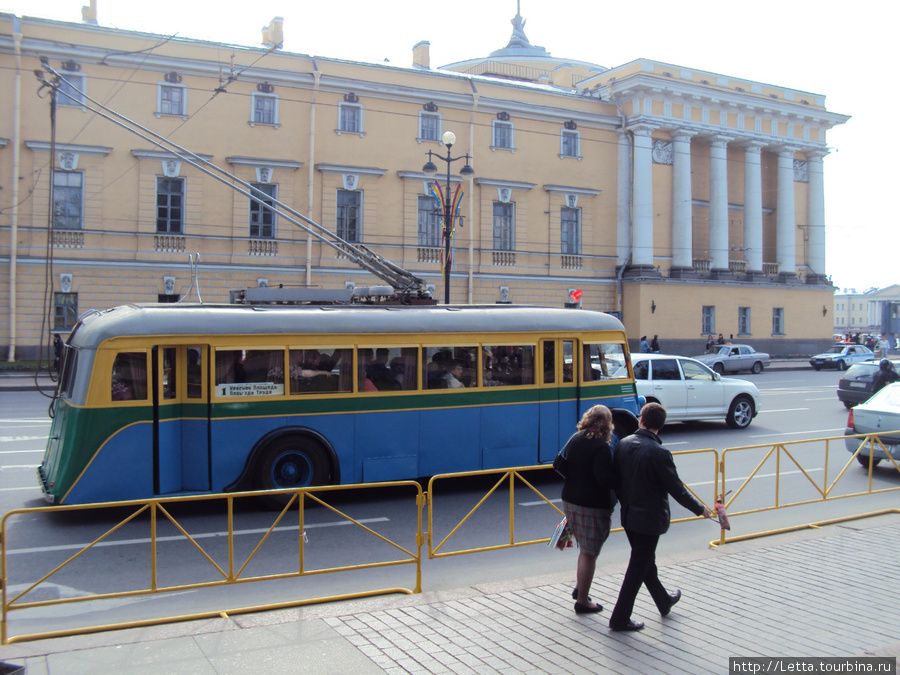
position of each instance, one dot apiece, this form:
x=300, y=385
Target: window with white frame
x=502, y=135
x=171, y=99
x=262, y=216
x=265, y=109
x=68, y=200
x=708, y=319
x=570, y=143
x=65, y=310
x=743, y=321
x=429, y=126
x=169, y=205
x=68, y=95
x=504, y=226
x=778, y=321
x=349, y=210
x=350, y=117
x=429, y=222
x=570, y=231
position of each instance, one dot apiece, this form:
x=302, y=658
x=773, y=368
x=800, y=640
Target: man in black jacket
x=646, y=476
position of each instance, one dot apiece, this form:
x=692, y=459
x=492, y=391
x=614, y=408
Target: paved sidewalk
x=814, y=593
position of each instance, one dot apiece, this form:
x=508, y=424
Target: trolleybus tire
x=291, y=461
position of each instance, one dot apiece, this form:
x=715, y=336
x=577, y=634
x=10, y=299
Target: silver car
x=689, y=390
x=735, y=358
x=880, y=413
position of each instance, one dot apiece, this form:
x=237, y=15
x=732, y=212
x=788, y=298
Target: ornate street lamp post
x=430, y=169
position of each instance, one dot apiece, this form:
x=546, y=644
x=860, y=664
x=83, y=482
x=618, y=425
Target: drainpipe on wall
x=14, y=214
x=626, y=204
x=312, y=169
x=471, y=293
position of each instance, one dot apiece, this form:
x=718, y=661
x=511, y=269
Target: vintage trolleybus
x=189, y=398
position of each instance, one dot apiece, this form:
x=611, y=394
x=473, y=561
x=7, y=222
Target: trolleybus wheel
x=291, y=461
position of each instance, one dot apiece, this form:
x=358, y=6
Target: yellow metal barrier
x=510, y=476
x=790, y=452
x=233, y=572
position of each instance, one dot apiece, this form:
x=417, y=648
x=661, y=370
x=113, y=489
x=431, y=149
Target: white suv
x=689, y=390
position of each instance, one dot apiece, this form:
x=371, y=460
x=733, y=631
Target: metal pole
x=448, y=230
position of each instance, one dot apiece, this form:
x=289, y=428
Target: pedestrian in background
x=645, y=476
x=645, y=346
x=588, y=498
x=654, y=344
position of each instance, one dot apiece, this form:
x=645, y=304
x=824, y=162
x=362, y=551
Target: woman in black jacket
x=588, y=497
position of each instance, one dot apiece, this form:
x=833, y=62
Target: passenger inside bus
x=129, y=377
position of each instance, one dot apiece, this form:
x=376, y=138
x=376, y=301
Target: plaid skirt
x=590, y=525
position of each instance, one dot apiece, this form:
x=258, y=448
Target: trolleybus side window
x=387, y=368
x=315, y=371
x=249, y=372
x=604, y=362
x=450, y=367
x=509, y=366
x=129, y=377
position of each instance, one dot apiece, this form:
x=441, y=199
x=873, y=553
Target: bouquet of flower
x=562, y=537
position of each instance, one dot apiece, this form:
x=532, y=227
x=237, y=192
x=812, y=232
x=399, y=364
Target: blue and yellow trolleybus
x=191, y=398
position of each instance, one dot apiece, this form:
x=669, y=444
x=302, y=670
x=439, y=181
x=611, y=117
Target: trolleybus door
x=181, y=448
x=558, y=397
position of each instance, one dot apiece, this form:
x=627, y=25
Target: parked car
x=879, y=413
x=689, y=390
x=735, y=358
x=841, y=357
x=855, y=386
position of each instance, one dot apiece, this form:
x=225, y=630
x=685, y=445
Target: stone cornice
x=164, y=154
x=256, y=162
x=564, y=189
x=344, y=168
x=500, y=183
x=89, y=150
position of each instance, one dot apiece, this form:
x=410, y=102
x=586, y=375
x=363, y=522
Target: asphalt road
x=797, y=405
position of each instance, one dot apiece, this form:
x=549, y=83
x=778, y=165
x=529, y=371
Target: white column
x=623, y=200
x=682, y=204
x=785, y=236
x=642, y=204
x=816, y=216
x=718, y=204
x=753, y=220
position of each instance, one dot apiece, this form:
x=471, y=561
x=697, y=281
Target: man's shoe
x=673, y=598
x=587, y=609
x=631, y=625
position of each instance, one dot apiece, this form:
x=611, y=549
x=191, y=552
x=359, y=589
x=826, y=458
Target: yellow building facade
x=688, y=202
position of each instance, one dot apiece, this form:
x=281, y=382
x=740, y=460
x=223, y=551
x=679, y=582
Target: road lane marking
x=18, y=466
x=10, y=439
x=207, y=535
x=781, y=410
x=795, y=433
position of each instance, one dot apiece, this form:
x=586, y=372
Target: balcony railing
x=701, y=265
x=737, y=266
x=68, y=239
x=572, y=262
x=428, y=254
x=262, y=247
x=503, y=258
x=169, y=243
x=771, y=269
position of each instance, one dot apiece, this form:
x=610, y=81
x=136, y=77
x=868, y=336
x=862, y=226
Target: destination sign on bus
x=249, y=389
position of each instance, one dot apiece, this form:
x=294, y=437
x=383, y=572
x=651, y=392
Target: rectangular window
x=388, y=369
x=450, y=367
x=170, y=205
x=348, y=215
x=778, y=321
x=68, y=198
x=350, y=118
x=67, y=90
x=708, y=320
x=429, y=222
x=262, y=217
x=171, y=100
x=502, y=136
x=249, y=372
x=65, y=311
x=504, y=227
x=569, y=144
x=570, y=224
x=265, y=109
x=508, y=366
x=129, y=377
x=429, y=126
x=604, y=362
x=743, y=321
x=321, y=372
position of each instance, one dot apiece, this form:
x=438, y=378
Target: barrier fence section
x=807, y=457
x=152, y=514
x=512, y=477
